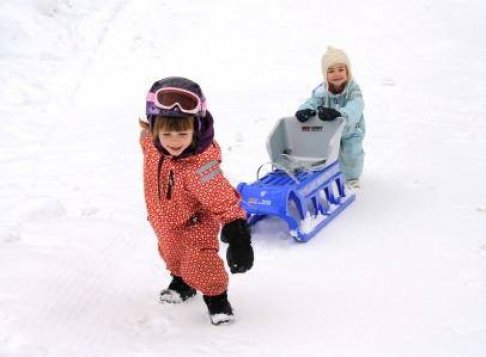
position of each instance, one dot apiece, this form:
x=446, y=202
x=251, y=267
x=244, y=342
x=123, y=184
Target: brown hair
x=172, y=124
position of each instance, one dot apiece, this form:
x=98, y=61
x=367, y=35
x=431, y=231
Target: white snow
x=402, y=272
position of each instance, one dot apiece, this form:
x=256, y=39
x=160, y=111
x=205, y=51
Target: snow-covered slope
x=401, y=273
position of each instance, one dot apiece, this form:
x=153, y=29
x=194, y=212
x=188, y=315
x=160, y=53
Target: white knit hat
x=333, y=56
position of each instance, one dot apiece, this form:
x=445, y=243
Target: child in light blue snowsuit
x=340, y=96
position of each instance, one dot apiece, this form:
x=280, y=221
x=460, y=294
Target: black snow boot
x=220, y=310
x=177, y=292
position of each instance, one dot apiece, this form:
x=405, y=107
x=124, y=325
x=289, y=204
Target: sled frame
x=306, y=188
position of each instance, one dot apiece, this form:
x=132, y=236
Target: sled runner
x=305, y=187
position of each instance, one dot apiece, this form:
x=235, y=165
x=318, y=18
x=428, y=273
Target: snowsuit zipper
x=169, y=185
x=170, y=181
x=159, y=167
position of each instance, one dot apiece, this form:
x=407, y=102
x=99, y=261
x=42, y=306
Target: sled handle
x=280, y=167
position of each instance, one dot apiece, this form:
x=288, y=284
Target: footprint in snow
x=388, y=82
x=158, y=324
x=11, y=235
x=482, y=249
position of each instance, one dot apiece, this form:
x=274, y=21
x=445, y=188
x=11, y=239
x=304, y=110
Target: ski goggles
x=168, y=98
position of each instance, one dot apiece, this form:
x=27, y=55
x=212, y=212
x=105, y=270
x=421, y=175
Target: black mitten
x=327, y=114
x=304, y=114
x=239, y=254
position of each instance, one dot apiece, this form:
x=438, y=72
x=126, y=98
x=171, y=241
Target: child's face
x=175, y=142
x=337, y=75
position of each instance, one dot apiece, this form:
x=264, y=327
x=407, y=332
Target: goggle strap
x=150, y=97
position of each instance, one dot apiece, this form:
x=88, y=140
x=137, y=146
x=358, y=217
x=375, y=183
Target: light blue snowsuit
x=350, y=104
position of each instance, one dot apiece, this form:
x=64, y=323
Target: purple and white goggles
x=178, y=100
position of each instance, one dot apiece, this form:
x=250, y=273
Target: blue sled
x=305, y=189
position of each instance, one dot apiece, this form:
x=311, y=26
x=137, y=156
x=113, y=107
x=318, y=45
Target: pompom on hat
x=333, y=56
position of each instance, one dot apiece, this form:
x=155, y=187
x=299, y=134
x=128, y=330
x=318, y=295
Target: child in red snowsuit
x=188, y=198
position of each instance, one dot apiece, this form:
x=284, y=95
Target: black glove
x=239, y=254
x=304, y=114
x=327, y=114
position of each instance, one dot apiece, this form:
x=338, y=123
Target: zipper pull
x=169, y=186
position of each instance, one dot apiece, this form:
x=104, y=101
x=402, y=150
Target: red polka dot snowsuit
x=187, y=200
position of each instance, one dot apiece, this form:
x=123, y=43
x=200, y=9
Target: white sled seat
x=312, y=145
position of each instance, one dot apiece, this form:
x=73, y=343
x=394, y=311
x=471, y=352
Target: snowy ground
x=401, y=273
